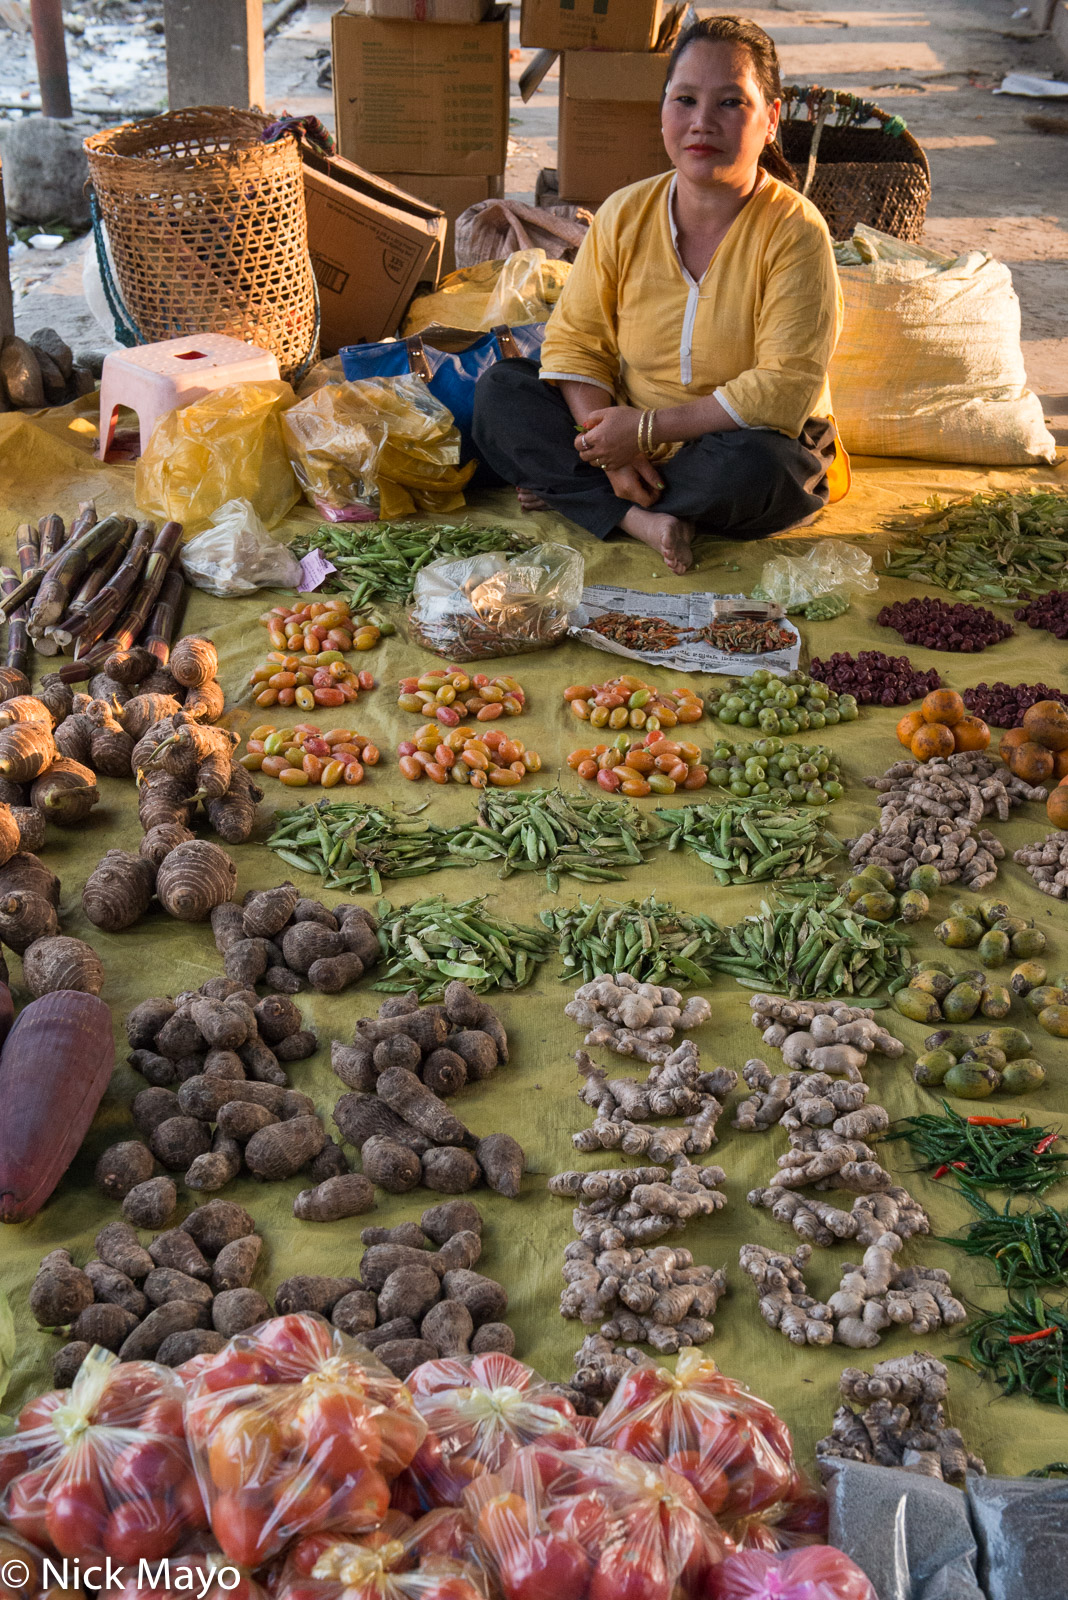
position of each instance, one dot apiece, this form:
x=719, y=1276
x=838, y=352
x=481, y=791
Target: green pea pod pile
x=353, y=846
x=748, y=841
x=993, y=546
x=647, y=938
x=427, y=944
x=592, y=838
x=378, y=561
x=812, y=944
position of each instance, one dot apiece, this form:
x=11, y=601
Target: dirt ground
x=997, y=184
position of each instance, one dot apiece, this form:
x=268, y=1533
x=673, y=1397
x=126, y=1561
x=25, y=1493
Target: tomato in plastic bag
x=293, y=1427
x=480, y=1410
x=800, y=1519
x=101, y=1469
x=203, y=1572
x=593, y=1524
x=815, y=1573
x=426, y=1560
x=733, y=1448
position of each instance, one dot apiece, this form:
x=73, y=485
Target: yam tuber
x=502, y=1161
x=193, y=879
x=159, y=841
x=194, y=661
x=118, y=891
x=450, y=1170
x=347, y=1195
x=395, y=1167
x=122, y=1167
x=24, y=871
x=151, y=1204
x=65, y=793
x=26, y=748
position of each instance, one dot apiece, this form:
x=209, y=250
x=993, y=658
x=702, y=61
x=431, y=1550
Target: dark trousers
x=742, y=485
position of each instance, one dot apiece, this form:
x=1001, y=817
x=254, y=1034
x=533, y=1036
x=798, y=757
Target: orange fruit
x=943, y=705
x=970, y=733
x=1032, y=762
x=1046, y=722
x=933, y=739
x=1009, y=741
x=1057, y=806
x=909, y=726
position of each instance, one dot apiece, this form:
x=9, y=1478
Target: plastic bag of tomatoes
x=426, y=1560
x=203, y=1572
x=293, y=1427
x=732, y=1447
x=101, y=1469
x=21, y=1570
x=816, y=1573
x=480, y=1410
x=800, y=1519
x=593, y=1525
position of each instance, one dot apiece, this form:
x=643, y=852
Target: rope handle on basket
x=126, y=330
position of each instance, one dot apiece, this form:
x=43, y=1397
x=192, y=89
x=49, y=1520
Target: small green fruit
x=927, y=880
x=996, y=1002
x=880, y=874
x=1047, y=994
x=880, y=905
x=988, y=1055
x=961, y=908
x=1011, y=925
x=1027, y=976
x=931, y=1068
x=917, y=1006
x=1054, y=1019
x=1012, y=1041
x=936, y=983
x=992, y=911
x=928, y=966
x=960, y=933
x=962, y=1002
x=1023, y=1076
x=946, y=1039
x=1028, y=942
x=971, y=1081
x=994, y=948
x=913, y=905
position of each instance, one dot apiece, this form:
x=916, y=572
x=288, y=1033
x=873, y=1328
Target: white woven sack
x=929, y=362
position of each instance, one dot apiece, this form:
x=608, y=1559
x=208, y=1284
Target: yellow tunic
x=758, y=331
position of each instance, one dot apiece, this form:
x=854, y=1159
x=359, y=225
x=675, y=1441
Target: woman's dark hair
x=765, y=61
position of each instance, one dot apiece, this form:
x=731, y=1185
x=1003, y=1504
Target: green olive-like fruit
x=913, y=905
x=1011, y=925
x=996, y=1002
x=1054, y=1019
x=1027, y=976
x=1023, y=1076
x=992, y=911
x=917, y=1006
x=974, y=975
x=993, y=948
x=947, y=1039
x=1028, y=942
x=1047, y=994
x=928, y=966
x=926, y=879
x=960, y=933
x=988, y=1055
x=881, y=875
x=880, y=905
x=971, y=1081
x=1013, y=1042
x=961, y=1003
x=936, y=983
x=961, y=908
x=931, y=1068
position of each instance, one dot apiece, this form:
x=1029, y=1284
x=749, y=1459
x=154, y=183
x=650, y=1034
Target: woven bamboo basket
x=852, y=173
x=207, y=231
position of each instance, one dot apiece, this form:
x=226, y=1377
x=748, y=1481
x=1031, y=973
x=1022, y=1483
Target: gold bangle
x=644, y=422
x=649, y=445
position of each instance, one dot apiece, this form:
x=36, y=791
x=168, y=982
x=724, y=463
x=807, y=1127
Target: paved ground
x=997, y=183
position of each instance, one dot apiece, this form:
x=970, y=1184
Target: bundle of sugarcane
x=103, y=586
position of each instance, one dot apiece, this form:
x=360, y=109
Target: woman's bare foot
x=669, y=535
x=529, y=500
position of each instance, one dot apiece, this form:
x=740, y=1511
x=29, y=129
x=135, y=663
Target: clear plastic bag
x=203, y=1572
x=293, y=1428
x=593, y=1525
x=227, y=446
x=376, y=447
x=517, y=290
x=236, y=555
x=496, y=604
x=829, y=567
x=101, y=1469
x=480, y=1410
x=789, y=1524
x=21, y=1570
x=733, y=1448
x=816, y=1573
x=426, y=1560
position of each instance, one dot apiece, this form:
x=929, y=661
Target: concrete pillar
x=214, y=52
x=7, y=310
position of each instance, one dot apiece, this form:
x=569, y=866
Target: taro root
x=177, y=1316
x=110, y=746
x=10, y=839
x=233, y=815
x=162, y=799
x=193, y=661
x=118, y=891
x=60, y=1291
x=107, y=1325
x=206, y=702
x=25, y=871
x=151, y=1204
x=122, y=1167
x=266, y=912
x=347, y=1195
x=159, y=841
x=144, y=709
x=31, y=827
x=26, y=748
x=66, y=793
x=279, y=1152
x=74, y=739
x=234, y=1310
x=178, y=1348
x=25, y=918
x=118, y=1246
x=130, y=666
x=193, y=879
x=216, y=1224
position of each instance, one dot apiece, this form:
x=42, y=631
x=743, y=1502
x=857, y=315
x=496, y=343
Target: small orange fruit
x=909, y=726
x=1010, y=741
x=1057, y=807
x=1046, y=723
x=943, y=705
x=1060, y=764
x=1032, y=762
x=933, y=739
x=970, y=733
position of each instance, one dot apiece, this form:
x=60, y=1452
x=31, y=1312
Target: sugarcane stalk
x=53, y=533
x=28, y=546
x=168, y=542
x=92, y=623
x=65, y=571
x=18, y=655
x=94, y=581
x=163, y=623
x=84, y=517
x=83, y=667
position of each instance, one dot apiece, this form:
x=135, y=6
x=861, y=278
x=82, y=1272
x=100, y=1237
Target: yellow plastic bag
x=227, y=446
x=380, y=446
x=522, y=288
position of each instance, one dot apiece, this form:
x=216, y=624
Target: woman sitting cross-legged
x=683, y=378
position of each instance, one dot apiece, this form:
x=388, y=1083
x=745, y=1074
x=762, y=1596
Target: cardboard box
x=422, y=10
x=450, y=195
x=590, y=24
x=413, y=98
x=371, y=246
x=609, y=122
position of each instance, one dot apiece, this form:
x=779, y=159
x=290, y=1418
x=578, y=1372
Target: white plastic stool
x=153, y=379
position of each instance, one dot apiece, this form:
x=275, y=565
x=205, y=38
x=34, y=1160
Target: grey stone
x=21, y=374
x=45, y=171
x=90, y=357
x=81, y=382
x=48, y=340
x=55, y=385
